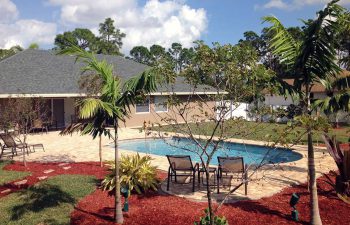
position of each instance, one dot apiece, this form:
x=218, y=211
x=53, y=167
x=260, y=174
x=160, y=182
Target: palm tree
x=311, y=60
x=113, y=102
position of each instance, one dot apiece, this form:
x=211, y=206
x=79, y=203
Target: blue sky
x=148, y=21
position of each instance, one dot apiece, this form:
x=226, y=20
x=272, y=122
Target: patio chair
x=232, y=167
x=10, y=143
x=38, y=124
x=181, y=166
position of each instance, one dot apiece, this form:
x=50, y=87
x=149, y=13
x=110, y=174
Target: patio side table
x=212, y=170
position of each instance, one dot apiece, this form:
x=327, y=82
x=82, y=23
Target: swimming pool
x=252, y=154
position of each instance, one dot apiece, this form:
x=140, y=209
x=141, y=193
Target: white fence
x=241, y=110
x=233, y=110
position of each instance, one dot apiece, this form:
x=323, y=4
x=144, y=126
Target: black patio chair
x=232, y=167
x=182, y=166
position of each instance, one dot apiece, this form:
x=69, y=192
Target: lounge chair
x=10, y=143
x=181, y=166
x=233, y=168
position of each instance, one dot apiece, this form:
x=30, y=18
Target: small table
x=211, y=170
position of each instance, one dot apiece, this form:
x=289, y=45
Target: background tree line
x=110, y=41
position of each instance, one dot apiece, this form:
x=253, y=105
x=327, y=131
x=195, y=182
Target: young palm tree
x=311, y=60
x=113, y=102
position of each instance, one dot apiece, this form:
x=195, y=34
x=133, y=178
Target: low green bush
x=136, y=174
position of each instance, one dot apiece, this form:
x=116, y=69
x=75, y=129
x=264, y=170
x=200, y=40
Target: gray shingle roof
x=44, y=72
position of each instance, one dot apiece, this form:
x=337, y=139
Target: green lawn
x=48, y=202
x=259, y=131
x=8, y=176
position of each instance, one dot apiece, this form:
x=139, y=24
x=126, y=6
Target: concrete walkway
x=270, y=180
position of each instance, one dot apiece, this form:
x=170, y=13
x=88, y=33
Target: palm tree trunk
x=118, y=204
x=100, y=150
x=314, y=208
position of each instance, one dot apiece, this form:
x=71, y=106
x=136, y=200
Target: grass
x=48, y=202
x=260, y=131
x=8, y=176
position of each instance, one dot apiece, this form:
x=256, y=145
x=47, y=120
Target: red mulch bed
x=155, y=208
x=158, y=208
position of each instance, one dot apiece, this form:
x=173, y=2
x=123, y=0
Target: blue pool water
x=252, y=154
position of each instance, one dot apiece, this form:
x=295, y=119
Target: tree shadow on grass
x=38, y=198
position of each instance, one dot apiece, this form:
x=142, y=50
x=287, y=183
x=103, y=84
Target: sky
x=148, y=22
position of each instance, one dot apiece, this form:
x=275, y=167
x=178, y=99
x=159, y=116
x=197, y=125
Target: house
x=318, y=91
x=44, y=74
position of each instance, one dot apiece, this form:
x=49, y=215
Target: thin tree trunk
x=118, y=204
x=100, y=150
x=210, y=204
x=314, y=208
x=24, y=157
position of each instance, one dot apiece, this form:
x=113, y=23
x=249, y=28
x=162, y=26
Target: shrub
x=136, y=174
x=206, y=219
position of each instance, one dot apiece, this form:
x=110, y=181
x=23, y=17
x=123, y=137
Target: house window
x=143, y=106
x=160, y=104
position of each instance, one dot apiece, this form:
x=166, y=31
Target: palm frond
x=146, y=82
x=339, y=101
x=91, y=106
x=282, y=44
x=317, y=51
x=342, y=83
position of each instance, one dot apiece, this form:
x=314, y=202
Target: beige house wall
x=153, y=117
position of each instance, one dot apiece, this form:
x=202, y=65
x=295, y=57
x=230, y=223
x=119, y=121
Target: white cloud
x=24, y=32
x=296, y=4
x=8, y=11
x=275, y=4
x=155, y=22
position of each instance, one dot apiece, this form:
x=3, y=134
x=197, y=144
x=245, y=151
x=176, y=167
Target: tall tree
x=141, y=54
x=110, y=40
x=253, y=39
x=81, y=37
x=311, y=60
x=175, y=52
x=113, y=102
x=157, y=52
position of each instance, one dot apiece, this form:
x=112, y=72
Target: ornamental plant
x=136, y=174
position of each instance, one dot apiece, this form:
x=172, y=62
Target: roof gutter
x=71, y=95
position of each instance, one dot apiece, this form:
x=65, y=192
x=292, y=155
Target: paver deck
x=268, y=181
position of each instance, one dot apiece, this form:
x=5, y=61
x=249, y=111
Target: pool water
x=252, y=154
